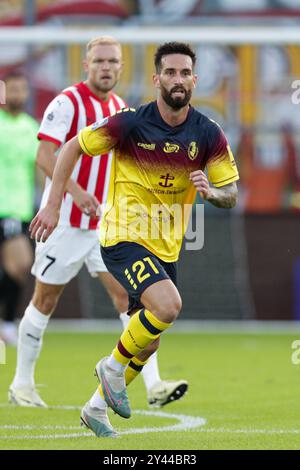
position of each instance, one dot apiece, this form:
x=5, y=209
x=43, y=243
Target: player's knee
x=45, y=302
x=169, y=309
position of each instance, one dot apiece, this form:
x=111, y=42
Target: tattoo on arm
x=225, y=197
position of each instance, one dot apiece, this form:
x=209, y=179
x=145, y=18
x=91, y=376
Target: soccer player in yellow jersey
x=160, y=153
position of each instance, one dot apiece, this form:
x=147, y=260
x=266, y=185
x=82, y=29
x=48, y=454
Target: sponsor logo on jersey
x=171, y=148
x=193, y=150
x=166, y=180
x=50, y=116
x=146, y=146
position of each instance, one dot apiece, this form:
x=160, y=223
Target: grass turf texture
x=244, y=385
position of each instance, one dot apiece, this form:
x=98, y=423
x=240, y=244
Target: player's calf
x=149, y=350
x=46, y=296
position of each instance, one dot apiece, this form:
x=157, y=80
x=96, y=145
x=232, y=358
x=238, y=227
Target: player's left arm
x=224, y=197
x=219, y=186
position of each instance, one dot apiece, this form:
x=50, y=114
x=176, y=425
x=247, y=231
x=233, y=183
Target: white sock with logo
x=30, y=340
x=150, y=371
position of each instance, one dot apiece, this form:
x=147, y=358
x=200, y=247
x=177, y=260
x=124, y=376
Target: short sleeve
x=103, y=135
x=221, y=166
x=57, y=120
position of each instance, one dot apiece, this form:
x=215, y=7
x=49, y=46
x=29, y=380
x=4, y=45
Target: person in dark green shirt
x=18, y=145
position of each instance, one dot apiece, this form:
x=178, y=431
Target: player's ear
x=156, y=82
x=195, y=79
x=121, y=67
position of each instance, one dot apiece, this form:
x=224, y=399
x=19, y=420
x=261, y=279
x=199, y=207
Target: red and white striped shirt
x=73, y=109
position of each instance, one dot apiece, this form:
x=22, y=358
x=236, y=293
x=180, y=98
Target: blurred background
x=249, y=267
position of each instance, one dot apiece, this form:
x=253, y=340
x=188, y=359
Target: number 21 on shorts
x=140, y=271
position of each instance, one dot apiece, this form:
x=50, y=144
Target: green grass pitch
x=244, y=386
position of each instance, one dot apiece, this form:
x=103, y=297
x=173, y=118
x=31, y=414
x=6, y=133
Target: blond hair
x=102, y=41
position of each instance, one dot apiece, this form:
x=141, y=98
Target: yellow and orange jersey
x=150, y=194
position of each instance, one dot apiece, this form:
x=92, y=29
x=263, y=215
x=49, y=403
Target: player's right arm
x=46, y=219
x=96, y=139
x=55, y=125
x=46, y=161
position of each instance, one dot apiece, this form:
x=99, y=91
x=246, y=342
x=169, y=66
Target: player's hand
x=87, y=203
x=43, y=224
x=201, y=183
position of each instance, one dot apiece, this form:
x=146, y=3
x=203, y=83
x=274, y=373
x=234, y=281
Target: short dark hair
x=172, y=48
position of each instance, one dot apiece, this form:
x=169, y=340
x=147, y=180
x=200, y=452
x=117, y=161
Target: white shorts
x=61, y=257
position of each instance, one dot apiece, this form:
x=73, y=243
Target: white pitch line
x=28, y=427
x=249, y=431
x=185, y=423
x=54, y=407
x=32, y=427
x=188, y=420
x=139, y=431
x=47, y=436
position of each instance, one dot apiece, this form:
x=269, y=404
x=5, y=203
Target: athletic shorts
x=136, y=268
x=11, y=228
x=62, y=256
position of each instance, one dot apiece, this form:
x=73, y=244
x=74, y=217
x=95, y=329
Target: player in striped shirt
x=75, y=240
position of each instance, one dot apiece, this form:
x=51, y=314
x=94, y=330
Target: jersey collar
x=158, y=115
x=85, y=89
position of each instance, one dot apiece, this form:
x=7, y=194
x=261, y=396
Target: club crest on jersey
x=171, y=148
x=99, y=124
x=193, y=151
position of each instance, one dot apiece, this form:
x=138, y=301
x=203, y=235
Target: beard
x=178, y=102
x=103, y=87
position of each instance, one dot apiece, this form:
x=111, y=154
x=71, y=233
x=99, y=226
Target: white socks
x=97, y=401
x=113, y=364
x=31, y=331
x=150, y=371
